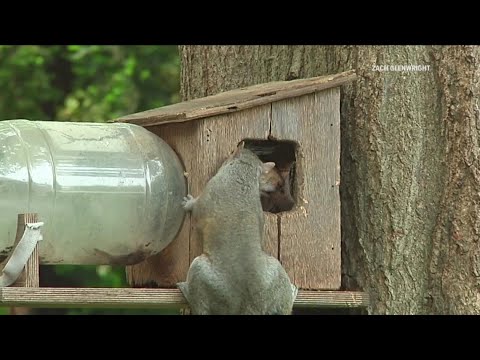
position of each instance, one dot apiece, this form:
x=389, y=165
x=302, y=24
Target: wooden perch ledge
x=236, y=100
x=151, y=298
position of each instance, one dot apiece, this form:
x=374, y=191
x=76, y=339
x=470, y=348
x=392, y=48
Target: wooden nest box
x=302, y=117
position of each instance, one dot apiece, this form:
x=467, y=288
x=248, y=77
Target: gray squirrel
x=234, y=275
x=275, y=186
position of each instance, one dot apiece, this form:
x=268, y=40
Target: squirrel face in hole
x=275, y=188
x=274, y=181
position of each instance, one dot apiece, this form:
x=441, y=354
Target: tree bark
x=409, y=166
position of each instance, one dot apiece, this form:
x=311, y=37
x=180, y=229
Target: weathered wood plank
x=171, y=265
x=150, y=298
x=334, y=299
x=30, y=275
x=310, y=233
x=236, y=100
x=270, y=238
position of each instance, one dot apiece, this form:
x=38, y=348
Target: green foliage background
x=93, y=84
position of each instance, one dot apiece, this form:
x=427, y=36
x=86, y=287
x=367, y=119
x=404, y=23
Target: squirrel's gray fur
x=234, y=275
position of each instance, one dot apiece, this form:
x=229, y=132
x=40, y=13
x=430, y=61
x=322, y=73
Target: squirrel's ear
x=267, y=166
x=236, y=151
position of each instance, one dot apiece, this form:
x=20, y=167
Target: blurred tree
x=90, y=83
x=86, y=83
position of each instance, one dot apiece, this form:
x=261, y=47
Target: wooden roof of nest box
x=305, y=239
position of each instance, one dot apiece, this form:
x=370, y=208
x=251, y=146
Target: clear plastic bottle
x=107, y=193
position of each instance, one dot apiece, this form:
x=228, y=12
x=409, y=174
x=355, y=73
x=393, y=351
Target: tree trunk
x=410, y=162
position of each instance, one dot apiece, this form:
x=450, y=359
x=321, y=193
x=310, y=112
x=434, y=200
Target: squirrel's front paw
x=188, y=202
